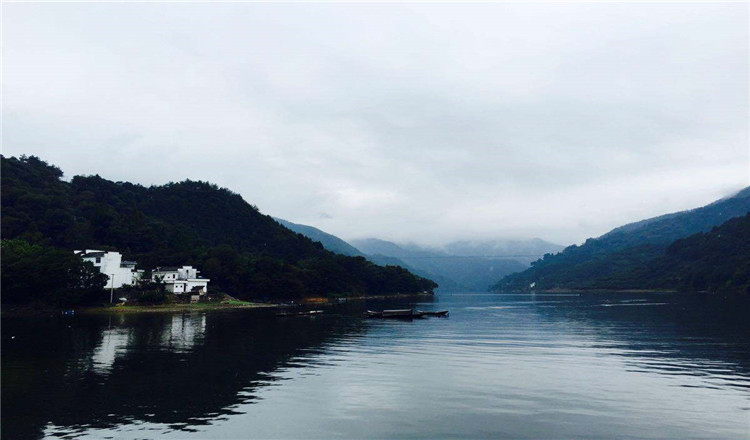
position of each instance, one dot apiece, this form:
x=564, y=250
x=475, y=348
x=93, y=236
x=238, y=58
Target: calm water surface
x=501, y=366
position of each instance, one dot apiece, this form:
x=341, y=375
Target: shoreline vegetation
x=231, y=304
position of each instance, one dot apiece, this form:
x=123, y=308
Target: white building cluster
x=119, y=273
x=181, y=280
x=177, y=280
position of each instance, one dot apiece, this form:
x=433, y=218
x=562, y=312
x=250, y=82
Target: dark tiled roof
x=166, y=269
x=93, y=254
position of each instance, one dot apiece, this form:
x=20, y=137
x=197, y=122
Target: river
x=604, y=365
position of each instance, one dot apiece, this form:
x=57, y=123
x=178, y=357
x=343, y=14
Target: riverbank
x=135, y=308
x=606, y=291
x=559, y=290
x=176, y=308
x=232, y=304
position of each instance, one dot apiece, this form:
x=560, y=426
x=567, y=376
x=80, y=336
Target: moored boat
x=295, y=314
x=403, y=314
x=398, y=313
x=391, y=314
x=440, y=313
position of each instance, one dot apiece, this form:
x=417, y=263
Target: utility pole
x=111, y=288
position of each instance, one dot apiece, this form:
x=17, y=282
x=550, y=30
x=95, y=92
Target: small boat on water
x=403, y=314
x=440, y=313
x=295, y=314
x=393, y=314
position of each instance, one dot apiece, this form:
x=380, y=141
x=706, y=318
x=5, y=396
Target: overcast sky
x=410, y=122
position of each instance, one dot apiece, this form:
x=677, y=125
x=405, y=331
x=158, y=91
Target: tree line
x=714, y=261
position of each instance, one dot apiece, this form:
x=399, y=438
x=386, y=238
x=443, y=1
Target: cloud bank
x=410, y=122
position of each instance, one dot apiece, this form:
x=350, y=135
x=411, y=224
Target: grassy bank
x=172, y=308
x=135, y=308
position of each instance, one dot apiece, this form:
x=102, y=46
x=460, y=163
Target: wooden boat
x=398, y=313
x=441, y=313
x=403, y=314
x=295, y=314
x=392, y=314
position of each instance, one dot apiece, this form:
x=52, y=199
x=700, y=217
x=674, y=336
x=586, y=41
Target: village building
x=119, y=273
x=179, y=280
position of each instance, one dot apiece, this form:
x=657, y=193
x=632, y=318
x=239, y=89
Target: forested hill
x=244, y=252
x=716, y=261
x=611, y=260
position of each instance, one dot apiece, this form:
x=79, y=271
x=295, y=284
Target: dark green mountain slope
x=602, y=262
x=716, y=261
x=244, y=252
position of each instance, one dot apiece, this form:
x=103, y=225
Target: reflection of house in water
x=114, y=342
x=168, y=375
x=181, y=333
x=185, y=331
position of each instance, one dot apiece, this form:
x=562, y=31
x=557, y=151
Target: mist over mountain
x=469, y=265
x=458, y=266
x=520, y=250
x=339, y=246
x=376, y=246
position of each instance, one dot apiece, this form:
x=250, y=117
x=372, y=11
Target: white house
x=119, y=273
x=180, y=280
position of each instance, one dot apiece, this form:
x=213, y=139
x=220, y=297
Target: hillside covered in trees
x=717, y=261
x=244, y=252
x=704, y=249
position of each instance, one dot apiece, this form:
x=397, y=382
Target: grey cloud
x=413, y=122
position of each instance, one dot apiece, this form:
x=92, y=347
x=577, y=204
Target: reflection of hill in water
x=694, y=335
x=179, y=370
x=182, y=371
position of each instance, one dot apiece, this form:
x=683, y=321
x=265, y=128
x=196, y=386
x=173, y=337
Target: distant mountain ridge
x=339, y=246
x=329, y=241
x=602, y=262
x=474, y=266
x=461, y=265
